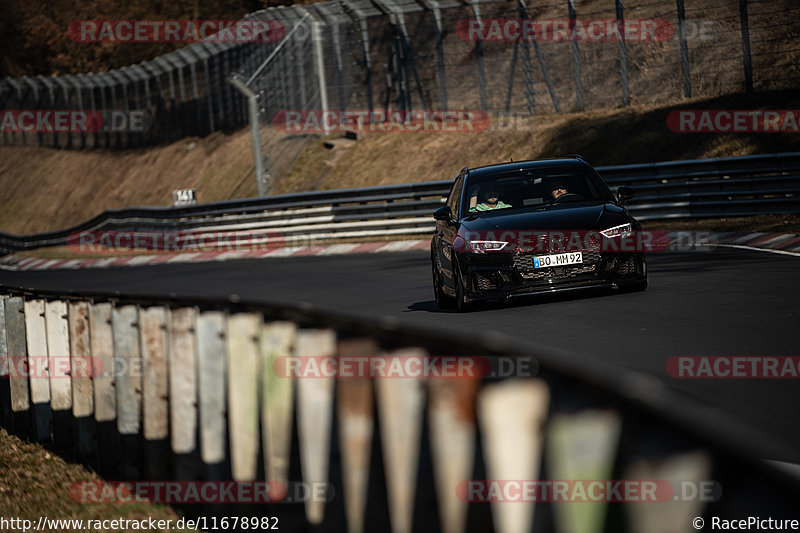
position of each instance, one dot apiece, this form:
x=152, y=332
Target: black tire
x=462, y=305
x=639, y=286
x=443, y=301
x=636, y=286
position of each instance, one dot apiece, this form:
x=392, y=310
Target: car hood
x=583, y=216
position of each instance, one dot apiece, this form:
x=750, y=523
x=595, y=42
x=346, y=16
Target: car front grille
x=623, y=265
x=484, y=283
x=523, y=262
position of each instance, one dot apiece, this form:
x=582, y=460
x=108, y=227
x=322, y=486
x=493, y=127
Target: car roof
x=511, y=166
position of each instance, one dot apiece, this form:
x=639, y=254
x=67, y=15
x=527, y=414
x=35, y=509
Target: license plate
x=554, y=260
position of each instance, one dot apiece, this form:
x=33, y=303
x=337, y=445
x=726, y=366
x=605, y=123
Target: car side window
x=455, y=196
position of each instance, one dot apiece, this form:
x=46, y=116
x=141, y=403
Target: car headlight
x=617, y=231
x=481, y=247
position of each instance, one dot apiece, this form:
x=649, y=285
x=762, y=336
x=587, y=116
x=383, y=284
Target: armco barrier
x=192, y=390
x=731, y=186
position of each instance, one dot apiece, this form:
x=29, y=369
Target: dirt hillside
x=47, y=189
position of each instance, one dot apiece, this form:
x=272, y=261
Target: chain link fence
x=401, y=55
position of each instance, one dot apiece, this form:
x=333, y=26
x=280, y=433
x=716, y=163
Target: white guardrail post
x=128, y=383
x=35, y=332
x=188, y=392
x=155, y=390
x=17, y=349
x=82, y=372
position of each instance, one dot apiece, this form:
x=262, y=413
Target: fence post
x=748, y=66
x=367, y=61
x=576, y=58
x=337, y=45
x=437, y=15
x=255, y=134
x=319, y=62
x=687, y=80
x=399, y=67
x=195, y=99
x=208, y=86
x=37, y=102
x=479, y=61
x=48, y=85
x=61, y=81
x=112, y=86
x=623, y=55
x=523, y=12
x=78, y=90
x=299, y=60
x=511, y=73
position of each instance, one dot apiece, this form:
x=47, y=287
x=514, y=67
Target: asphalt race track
x=721, y=302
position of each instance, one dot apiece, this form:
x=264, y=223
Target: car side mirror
x=624, y=194
x=444, y=213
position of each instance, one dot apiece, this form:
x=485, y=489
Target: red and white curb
x=779, y=243
x=16, y=262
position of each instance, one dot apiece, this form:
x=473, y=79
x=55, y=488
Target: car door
x=446, y=232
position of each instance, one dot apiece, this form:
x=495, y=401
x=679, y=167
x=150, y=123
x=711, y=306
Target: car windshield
x=532, y=188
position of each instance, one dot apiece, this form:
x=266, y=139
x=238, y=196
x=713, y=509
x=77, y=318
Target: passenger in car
x=491, y=200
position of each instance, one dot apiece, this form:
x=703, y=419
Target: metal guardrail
x=732, y=186
x=393, y=451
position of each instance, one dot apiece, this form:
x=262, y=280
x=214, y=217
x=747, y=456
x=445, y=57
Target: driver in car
x=558, y=190
x=491, y=201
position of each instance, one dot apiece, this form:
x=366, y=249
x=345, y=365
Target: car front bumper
x=503, y=276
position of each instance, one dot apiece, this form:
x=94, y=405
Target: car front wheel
x=443, y=301
x=462, y=304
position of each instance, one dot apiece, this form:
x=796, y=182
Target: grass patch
x=35, y=483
